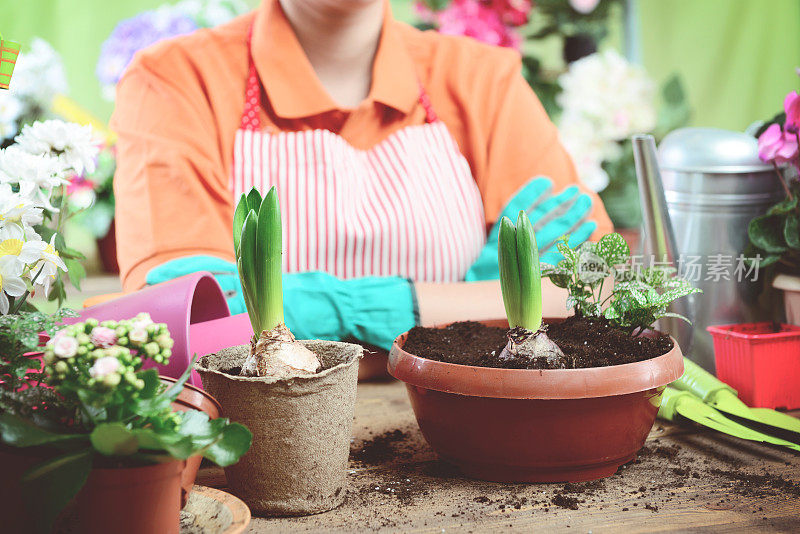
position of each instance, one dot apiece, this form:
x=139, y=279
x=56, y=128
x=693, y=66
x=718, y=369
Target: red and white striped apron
x=408, y=206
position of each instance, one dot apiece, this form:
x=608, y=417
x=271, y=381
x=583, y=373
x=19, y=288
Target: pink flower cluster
x=780, y=145
x=489, y=21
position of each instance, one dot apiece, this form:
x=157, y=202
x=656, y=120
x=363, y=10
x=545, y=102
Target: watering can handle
x=697, y=380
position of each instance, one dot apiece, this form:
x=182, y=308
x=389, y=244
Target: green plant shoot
x=520, y=274
x=257, y=246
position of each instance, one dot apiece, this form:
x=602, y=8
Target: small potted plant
x=298, y=397
x=775, y=235
x=99, y=433
x=760, y=359
x=555, y=401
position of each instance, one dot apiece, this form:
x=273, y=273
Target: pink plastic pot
x=762, y=365
x=180, y=303
x=512, y=425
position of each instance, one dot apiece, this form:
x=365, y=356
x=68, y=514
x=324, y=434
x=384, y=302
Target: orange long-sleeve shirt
x=180, y=103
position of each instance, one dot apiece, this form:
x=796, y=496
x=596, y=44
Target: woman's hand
x=551, y=215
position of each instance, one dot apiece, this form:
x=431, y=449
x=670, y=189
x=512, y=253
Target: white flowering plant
x=605, y=99
x=34, y=174
x=97, y=406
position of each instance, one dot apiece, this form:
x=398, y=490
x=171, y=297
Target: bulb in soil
x=536, y=347
x=277, y=354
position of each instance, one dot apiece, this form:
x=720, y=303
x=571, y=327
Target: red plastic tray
x=761, y=364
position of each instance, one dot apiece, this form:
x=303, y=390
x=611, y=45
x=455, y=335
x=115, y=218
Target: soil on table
x=586, y=342
x=697, y=469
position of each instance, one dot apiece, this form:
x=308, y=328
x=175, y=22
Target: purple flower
x=777, y=146
x=134, y=34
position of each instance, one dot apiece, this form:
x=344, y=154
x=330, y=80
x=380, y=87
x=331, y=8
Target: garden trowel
x=721, y=396
x=676, y=402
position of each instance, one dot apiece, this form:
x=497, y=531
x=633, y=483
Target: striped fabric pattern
x=409, y=206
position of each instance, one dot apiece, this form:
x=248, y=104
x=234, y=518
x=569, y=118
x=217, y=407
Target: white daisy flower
x=73, y=145
x=18, y=208
x=47, y=260
x=11, y=282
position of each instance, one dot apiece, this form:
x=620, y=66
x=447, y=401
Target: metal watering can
x=698, y=197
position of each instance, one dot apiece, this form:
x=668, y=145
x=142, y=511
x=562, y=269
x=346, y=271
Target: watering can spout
x=658, y=239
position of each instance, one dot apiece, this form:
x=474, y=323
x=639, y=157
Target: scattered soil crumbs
x=379, y=449
x=565, y=501
x=587, y=342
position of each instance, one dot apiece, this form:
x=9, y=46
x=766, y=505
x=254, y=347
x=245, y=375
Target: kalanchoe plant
x=109, y=412
x=640, y=296
x=257, y=241
x=521, y=284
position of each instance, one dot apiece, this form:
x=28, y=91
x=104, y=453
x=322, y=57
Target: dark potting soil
x=587, y=342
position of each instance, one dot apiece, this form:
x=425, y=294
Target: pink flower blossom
x=777, y=146
x=512, y=12
x=79, y=183
x=104, y=366
x=792, y=107
x=65, y=346
x=476, y=19
x=103, y=337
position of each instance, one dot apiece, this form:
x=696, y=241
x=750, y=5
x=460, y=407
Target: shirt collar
x=291, y=84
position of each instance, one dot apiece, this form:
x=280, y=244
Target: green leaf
x=509, y=271
x=238, y=222
x=791, y=231
x=75, y=271
x=166, y=439
x=18, y=432
x=783, y=207
x=48, y=487
x=249, y=270
x=233, y=444
x=530, y=277
x=114, y=439
x=147, y=407
x=253, y=200
x=152, y=383
x=269, y=257
x=613, y=249
x=73, y=254
x=766, y=232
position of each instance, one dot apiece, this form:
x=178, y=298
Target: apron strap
x=251, y=115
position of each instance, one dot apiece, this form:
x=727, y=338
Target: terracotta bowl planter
x=192, y=398
x=297, y=464
x=513, y=425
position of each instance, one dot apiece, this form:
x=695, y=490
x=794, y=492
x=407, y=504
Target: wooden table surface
x=686, y=479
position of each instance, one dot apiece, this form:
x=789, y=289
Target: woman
x=392, y=149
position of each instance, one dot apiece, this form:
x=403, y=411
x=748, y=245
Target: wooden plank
x=687, y=476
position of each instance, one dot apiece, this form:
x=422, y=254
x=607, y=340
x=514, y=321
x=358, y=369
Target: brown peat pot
x=192, y=398
x=520, y=425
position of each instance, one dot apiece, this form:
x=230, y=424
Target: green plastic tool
x=675, y=402
x=724, y=398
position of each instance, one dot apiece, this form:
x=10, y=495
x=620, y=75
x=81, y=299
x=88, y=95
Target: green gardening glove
x=317, y=305
x=551, y=215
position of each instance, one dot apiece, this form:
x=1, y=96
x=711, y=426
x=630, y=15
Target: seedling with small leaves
x=639, y=297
